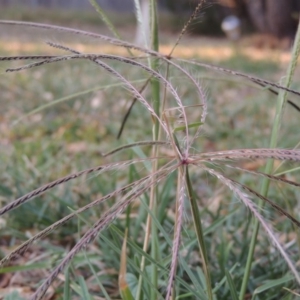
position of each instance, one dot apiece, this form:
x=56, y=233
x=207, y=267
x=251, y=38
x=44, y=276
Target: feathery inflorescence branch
x=258, y=195
x=104, y=221
x=14, y=204
x=259, y=81
x=252, y=207
x=177, y=232
x=147, y=51
x=96, y=58
x=265, y=199
x=22, y=248
x=272, y=177
x=280, y=154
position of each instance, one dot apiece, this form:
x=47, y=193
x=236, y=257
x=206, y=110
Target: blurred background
x=275, y=18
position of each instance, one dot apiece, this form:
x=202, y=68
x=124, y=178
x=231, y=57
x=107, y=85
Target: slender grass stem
x=155, y=92
x=269, y=166
x=199, y=233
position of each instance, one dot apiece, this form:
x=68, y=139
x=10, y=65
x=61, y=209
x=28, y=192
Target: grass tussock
x=174, y=208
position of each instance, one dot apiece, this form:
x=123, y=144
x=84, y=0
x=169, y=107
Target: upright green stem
x=269, y=166
x=155, y=88
x=199, y=233
x=155, y=93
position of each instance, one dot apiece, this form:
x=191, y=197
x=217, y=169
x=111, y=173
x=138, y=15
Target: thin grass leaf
x=150, y=259
x=126, y=116
x=291, y=292
x=67, y=295
x=97, y=278
x=201, y=290
x=233, y=292
x=143, y=143
x=84, y=293
x=193, y=125
x=269, y=284
x=133, y=264
x=288, y=171
x=223, y=281
x=123, y=285
x=31, y=266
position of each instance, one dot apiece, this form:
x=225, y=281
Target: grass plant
x=158, y=217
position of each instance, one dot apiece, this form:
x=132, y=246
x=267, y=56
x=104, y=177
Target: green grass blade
x=67, y=295
x=84, y=289
x=34, y=266
x=233, y=292
x=223, y=281
x=126, y=294
x=273, y=283
x=97, y=278
x=180, y=128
